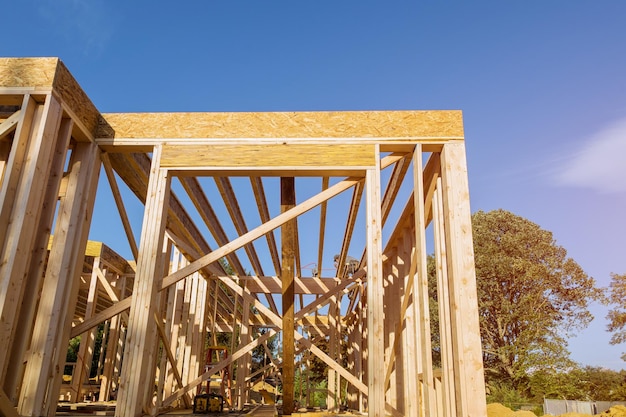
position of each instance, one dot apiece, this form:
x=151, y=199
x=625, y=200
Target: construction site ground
x=499, y=410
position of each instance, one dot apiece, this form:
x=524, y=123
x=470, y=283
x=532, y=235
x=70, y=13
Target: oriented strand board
x=365, y=124
x=75, y=99
x=42, y=74
x=28, y=72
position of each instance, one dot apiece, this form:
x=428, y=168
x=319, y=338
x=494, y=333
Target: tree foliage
x=617, y=315
x=587, y=384
x=531, y=297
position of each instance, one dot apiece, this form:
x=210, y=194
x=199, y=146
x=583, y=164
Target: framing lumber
x=205, y=209
x=51, y=75
x=180, y=289
x=42, y=378
x=143, y=130
x=106, y=163
x=166, y=343
x=375, y=340
x=261, y=202
x=443, y=292
x=421, y=284
x=466, y=347
x=288, y=242
x=141, y=351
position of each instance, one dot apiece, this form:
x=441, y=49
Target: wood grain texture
x=291, y=155
x=50, y=73
x=466, y=347
x=340, y=124
x=28, y=72
x=74, y=99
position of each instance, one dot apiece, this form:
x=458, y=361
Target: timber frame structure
x=160, y=308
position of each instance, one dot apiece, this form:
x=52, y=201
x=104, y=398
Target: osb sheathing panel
x=75, y=99
x=46, y=74
x=268, y=155
x=366, y=124
x=28, y=72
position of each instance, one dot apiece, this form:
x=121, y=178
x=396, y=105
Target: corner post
x=139, y=354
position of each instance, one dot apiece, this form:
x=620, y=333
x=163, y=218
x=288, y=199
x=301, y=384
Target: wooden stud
x=22, y=194
x=42, y=377
x=34, y=279
x=87, y=339
x=259, y=144
x=421, y=285
x=288, y=202
x=375, y=339
x=218, y=367
x=113, y=342
x=170, y=357
x=243, y=367
x=320, y=250
x=466, y=345
x=140, y=348
x=443, y=292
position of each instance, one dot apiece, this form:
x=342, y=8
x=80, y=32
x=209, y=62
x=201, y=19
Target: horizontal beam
x=338, y=124
x=273, y=285
x=267, y=156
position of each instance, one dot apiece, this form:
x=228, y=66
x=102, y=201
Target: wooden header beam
x=271, y=125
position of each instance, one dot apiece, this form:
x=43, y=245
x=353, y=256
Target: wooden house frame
x=53, y=143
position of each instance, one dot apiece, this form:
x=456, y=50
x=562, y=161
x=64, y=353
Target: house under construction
x=210, y=262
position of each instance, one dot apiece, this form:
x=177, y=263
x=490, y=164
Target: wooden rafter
x=205, y=209
x=261, y=201
x=342, y=267
x=117, y=197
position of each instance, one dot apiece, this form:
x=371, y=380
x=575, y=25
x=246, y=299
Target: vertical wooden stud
x=44, y=368
x=34, y=279
x=21, y=198
x=135, y=388
x=375, y=313
x=470, y=384
x=288, y=242
x=447, y=364
x=421, y=284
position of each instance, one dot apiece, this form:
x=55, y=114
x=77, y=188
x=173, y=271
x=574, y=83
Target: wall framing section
x=53, y=143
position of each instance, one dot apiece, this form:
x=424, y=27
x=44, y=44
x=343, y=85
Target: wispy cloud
x=89, y=24
x=601, y=162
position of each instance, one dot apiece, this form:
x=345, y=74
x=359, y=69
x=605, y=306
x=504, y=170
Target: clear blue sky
x=542, y=85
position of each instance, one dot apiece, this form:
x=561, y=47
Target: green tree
x=617, y=315
x=552, y=384
x=72, y=354
x=260, y=358
x=531, y=298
